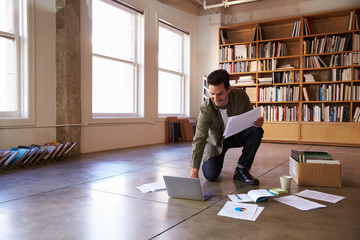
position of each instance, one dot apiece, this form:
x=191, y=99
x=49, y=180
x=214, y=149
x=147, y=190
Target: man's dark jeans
x=249, y=139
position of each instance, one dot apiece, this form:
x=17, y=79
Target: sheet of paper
x=320, y=196
x=299, y=203
x=240, y=122
x=150, y=187
x=241, y=211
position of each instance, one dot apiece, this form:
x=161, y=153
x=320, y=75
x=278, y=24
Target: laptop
x=187, y=188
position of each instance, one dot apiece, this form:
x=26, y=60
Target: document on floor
x=240, y=122
x=320, y=196
x=241, y=211
x=151, y=187
x=299, y=203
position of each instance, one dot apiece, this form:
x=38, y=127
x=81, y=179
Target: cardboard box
x=315, y=174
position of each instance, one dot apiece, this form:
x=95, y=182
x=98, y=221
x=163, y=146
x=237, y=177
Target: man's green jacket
x=208, y=139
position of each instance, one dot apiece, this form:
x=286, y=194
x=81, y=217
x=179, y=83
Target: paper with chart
x=240, y=122
x=320, y=196
x=241, y=211
x=299, y=203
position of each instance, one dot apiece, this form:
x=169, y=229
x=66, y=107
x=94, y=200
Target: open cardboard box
x=315, y=174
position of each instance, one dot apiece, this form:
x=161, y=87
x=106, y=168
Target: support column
x=68, y=72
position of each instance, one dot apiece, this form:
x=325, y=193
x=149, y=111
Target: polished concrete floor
x=94, y=197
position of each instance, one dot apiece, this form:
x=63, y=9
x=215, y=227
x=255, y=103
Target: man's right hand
x=194, y=173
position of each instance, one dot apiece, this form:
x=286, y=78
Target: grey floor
x=94, y=197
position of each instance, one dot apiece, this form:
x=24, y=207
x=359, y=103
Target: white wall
x=43, y=34
x=150, y=129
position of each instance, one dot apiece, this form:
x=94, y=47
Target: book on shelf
x=285, y=67
x=351, y=20
x=306, y=94
x=260, y=33
x=255, y=32
x=240, y=52
x=280, y=113
x=307, y=27
x=309, y=77
x=224, y=37
x=244, y=80
x=296, y=29
x=356, y=117
x=265, y=80
x=251, y=92
x=255, y=195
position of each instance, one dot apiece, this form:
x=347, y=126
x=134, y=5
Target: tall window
x=173, y=70
x=116, y=60
x=13, y=59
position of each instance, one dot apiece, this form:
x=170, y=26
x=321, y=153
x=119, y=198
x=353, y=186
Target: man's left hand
x=259, y=122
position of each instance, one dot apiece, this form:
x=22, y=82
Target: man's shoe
x=242, y=174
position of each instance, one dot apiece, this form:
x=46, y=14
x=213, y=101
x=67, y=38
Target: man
x=209, y=144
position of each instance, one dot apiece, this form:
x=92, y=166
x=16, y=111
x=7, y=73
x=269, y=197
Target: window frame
x=24, y=60
x=138, y=65
x=185, y=71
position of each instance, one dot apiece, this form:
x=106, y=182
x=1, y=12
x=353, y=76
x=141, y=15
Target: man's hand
x=259, y=122
x=194, y=173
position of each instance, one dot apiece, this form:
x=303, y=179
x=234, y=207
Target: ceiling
x=198, y=5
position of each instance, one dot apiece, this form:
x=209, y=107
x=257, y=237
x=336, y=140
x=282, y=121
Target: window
x=117, y=41
x=173, y=70
x=13, y=59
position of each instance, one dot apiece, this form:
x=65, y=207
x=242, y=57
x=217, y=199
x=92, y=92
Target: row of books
x=324, y=113
x=356, y=92
x=34, y=154
x=309, y=156
x=296, y=29
x=344, y=59
x=280, y=113
x=243, y=80
x=237, y=67
x=334, y=92
x=334, y=75
x=267, y=65
x=356, y=117
x=314, y=62
x=356, y=59
x=356, y=41
x=286, y=77
x=356, y=74
x=327, y=44
x=272, y=49
x=237, y=52
x=278, y=94
x=179, y=129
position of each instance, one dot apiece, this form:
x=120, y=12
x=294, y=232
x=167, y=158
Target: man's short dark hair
x=219, y=76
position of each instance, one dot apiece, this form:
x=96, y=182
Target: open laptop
x=187, y=188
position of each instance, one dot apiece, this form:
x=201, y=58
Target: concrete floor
x=94, y=197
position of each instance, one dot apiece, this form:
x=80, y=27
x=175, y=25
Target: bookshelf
x=304, y=72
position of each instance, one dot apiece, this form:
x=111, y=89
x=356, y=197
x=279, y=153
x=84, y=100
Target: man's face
x=219, y=95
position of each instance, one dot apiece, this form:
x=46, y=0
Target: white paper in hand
x=240, y=122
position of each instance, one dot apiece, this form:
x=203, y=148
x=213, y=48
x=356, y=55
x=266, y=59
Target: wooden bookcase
x=302, y=71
